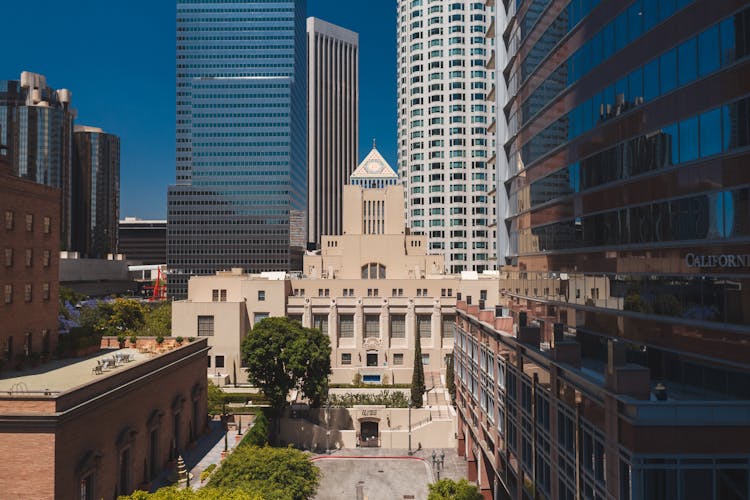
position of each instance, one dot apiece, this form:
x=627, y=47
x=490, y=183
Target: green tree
x=281, y=355
x=216, y=399
x=450, y=380
x=172, y=493
x=158, y=321
x=127, y=316
x=417, y=376
x=448, y=489
x=275, y=473
x=258, y=434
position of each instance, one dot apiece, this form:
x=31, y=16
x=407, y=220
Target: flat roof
x=62, y=375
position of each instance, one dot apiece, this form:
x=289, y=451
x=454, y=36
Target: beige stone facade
x=371, y=289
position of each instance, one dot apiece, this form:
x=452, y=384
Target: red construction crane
x=159, y=288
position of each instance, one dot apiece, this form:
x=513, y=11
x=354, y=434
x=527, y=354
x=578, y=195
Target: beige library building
x=372, y=289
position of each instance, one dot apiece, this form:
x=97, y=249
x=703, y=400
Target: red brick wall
x=27, y=468
x=23, y=197
x=99, y=427
x=99, y=420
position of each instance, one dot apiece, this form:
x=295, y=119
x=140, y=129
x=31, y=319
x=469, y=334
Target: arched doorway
x=369, y=434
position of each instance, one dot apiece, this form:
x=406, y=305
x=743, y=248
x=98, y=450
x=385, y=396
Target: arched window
x=373, y=271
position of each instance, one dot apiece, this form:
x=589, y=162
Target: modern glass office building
x=240, y=196
x=627, y=360
x=36, y=126
x=96, y=192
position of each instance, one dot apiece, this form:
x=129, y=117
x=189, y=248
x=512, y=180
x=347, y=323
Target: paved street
x=382, y=474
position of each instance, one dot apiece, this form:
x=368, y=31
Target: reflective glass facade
x=36, y=125
x=96, y=192
x=629, y=202
x=240, y=196
x=629, y=249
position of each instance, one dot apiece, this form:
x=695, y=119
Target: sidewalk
x=207, y=451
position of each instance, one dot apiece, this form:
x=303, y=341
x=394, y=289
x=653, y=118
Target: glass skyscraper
x=240, y=196
x=618, y=365
x=96, y=191
x=36, y=126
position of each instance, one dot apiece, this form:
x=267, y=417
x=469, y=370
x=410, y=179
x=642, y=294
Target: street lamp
x=438, y=462
x=410, y=452
x=225, y=418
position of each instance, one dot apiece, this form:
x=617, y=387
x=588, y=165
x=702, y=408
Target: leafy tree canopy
x=275, y=473
x=448, y=489
x=158, y=321
x=281, y=355
x=173, y=493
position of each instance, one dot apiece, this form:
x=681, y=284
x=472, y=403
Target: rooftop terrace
x=62, y=375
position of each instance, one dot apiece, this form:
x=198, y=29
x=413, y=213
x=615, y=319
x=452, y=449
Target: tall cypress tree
x=417, y=376
x=450, y=378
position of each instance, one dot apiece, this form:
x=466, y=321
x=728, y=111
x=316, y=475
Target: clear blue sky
x=118, y=60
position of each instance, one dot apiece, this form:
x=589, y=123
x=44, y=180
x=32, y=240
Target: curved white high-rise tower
x=444, y=141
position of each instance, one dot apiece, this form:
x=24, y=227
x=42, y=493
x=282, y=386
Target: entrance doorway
x=368, y=435
x=372, y=359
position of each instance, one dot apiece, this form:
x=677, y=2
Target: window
x=29, y=257
x=398, y=326
x=320, y=321
x=124, y=482
x=29, y=222
x=421, y=292
x=214, y=295
x=86, y=488
x=27, y=292
x=209, y=361
x=259, y=316
x=47, y=225
x=8, y=294
x=205, y=326
x=9, y=219
x=449, y=321
x=373, y=271
x=261, y=295
x=397, y=292
x=295, y=317
x=425, y=359
x=348, y=292
x=346, y=358
x=46, y=256
x=223, y=295
x=324, y=292
x=372, y=292
x=424, y=325
x=45, y=291
x=346, y=326
x=299, y=292
x=8, y=257
x=219, y=361
x=398, y=358
x=372, y=326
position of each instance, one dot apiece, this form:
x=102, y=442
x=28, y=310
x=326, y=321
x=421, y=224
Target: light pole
x=225, y=418
x=328, y=427
x=410, y=452
x=438, y=462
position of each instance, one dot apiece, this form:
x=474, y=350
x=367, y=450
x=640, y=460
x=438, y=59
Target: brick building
x=543, y=420
x=75, y=434
x=30, y=242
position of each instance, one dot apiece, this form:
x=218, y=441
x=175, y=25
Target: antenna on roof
x=373, y=143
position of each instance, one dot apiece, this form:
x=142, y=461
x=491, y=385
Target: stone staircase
x=438, y=399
